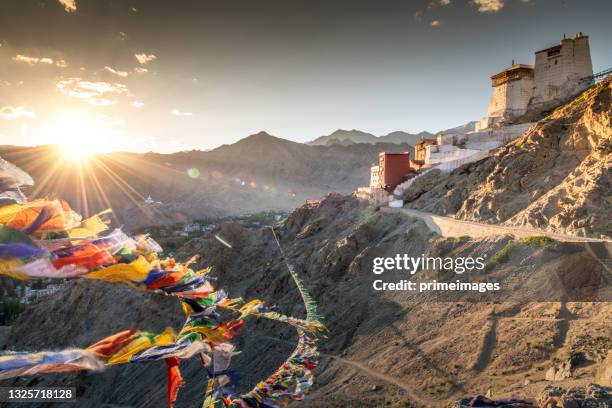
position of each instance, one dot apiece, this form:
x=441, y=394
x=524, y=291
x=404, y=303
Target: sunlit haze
x=78, y=135
x=144, y=75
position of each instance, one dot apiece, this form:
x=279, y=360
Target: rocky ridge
x=555, y=177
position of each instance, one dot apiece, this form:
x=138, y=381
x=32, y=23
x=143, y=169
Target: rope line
x=309, y=303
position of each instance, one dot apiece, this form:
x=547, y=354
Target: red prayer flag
x=175, y=380
x=107, y=347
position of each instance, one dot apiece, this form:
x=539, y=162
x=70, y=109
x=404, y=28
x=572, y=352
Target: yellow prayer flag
x=142, y=343
x=124, y=355
x=130, y=273
x=208, y=334
x=7, y=212
x=187, y=309
x=90, y=227
x=10, y=267
x=209, y=400
x=168, y=336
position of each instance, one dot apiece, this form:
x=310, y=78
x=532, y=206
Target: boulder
x=590, y=396
x=559, y=372
x=565, y=369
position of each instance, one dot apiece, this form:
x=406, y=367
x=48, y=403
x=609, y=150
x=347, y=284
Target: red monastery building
x=392, y=169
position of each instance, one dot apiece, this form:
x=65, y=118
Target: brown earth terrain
x=385, y=348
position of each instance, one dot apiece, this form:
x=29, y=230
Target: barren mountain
x=342, y=135
x=403, y=137
x=348, y=137
x=385, y=348
x=556, y=176
x=461, y=129
x=257, y=173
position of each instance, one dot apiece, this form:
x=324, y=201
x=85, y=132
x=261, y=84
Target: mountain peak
x=343, y=135
x=259, y=137
x=345, y=132
x=261, y=133
x=261, y=141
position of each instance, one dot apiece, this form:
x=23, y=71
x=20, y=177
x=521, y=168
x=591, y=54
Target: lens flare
x=193, y=172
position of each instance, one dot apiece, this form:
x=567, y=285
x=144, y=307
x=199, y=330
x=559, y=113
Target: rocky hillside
x=556, y=176
x=260, y=172
x=388, y=348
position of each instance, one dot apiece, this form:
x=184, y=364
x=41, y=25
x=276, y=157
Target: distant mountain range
x=346, y=137
x=259, y=172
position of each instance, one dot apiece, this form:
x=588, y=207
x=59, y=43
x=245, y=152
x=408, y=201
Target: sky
x=145, y=75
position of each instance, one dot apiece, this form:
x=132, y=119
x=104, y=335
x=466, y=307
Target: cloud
x=116, y=72
x=42, y=60
x=26, y=59
x=435, y=23
x=69, y=5
x=436, y=3
x=95, y=93
x=489, y=6
x=138, y=104
x=141, y=70
x=10, y=112
x=145, y=58
x=177, y=112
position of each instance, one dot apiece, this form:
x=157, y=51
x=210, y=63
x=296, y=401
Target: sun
x=78, y=136
x=76, y=152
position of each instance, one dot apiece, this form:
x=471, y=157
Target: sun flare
x=78, y=136
x=76, y=152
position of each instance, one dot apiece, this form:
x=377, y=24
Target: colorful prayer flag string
x=45, y=238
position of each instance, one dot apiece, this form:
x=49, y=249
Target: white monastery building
x=560, y=72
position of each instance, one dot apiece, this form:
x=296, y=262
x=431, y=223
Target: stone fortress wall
x=559, y=70
x=558, y=74
x=512, y=92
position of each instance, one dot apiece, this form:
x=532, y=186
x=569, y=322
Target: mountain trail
x=370, y=372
